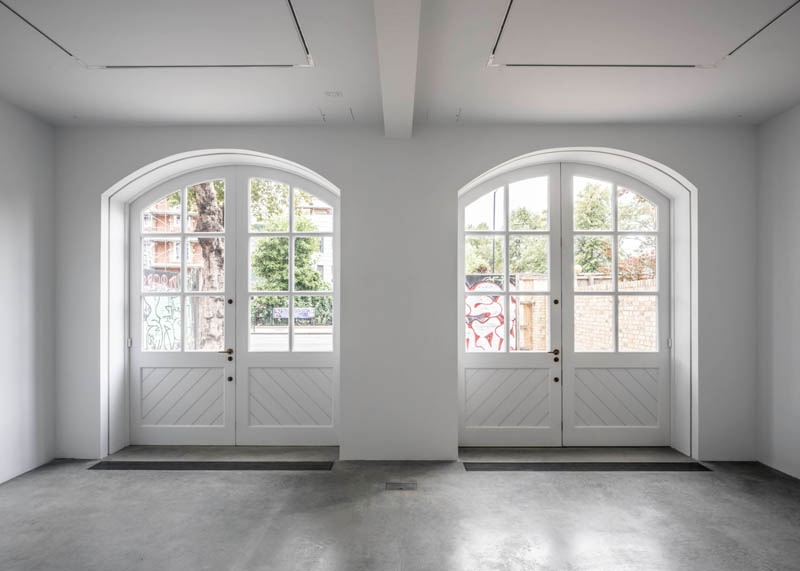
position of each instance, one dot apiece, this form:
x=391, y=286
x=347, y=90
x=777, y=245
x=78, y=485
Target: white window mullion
x=183, y=247
x=291, y=269
x=507, y=284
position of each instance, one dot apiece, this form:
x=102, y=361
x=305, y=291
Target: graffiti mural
x=483, y=311
x=162, y=322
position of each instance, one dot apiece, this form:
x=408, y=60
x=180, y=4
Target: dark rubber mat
x=192, y=465
x=584, y=467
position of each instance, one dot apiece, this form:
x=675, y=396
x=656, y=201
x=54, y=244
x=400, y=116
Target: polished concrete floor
x=63, y=516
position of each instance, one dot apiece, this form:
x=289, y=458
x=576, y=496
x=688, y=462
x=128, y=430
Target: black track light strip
x=299, y=29
x=502, y=27
x=39, y=30
x=190, y=66
x=643, y=65
x=764, y=27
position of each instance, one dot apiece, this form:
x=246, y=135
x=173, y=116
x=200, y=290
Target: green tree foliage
x=593, y=212
x=527, y=254
x=270, y=259
x=483, y=254
x=635, y=212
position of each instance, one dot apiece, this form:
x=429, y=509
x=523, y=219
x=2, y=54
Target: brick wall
x=638, y=330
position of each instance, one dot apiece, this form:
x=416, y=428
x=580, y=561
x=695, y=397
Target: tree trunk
x=210, y=311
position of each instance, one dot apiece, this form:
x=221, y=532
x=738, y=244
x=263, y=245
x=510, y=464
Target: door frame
x=683, y=197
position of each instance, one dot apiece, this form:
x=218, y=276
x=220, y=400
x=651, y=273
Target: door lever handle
x=226, y=352
x=554, y=352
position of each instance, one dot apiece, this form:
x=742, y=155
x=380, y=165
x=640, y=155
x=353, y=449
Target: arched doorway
x=233, y=300
x=574, y=329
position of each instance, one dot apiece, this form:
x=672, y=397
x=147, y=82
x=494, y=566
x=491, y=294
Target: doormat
x=199, y=465
x=585, y=467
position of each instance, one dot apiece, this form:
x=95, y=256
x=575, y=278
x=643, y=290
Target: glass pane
x=638, y=323
x=528, y=263
x=269, y=323
x=594, y=323
x=161, y=322
x=269, y=264
x=529, y=328
x=635, y=212
x=483, y=316
x=164, y=215
x=269, y=206
x=591, y=204
x=205, y=323
x=486, y=213
x=592, y=258
x=311, y=214
x=483, y=261
x=205, y=264
x=313, y=264
x=205, y=207
x=636, y=270
x=313, y=323
x=528, y=204
x=161, y=265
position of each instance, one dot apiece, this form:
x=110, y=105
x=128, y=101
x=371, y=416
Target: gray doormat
x=585, y=467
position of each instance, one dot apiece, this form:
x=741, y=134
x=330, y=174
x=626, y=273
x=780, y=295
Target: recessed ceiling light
x=333, y=93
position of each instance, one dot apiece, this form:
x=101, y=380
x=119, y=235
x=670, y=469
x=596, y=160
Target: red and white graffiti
x=484, y=318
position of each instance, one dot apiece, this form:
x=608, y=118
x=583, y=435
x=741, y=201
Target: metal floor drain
x=391, y=486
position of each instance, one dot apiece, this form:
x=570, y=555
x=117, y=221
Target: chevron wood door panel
x=290, y=396
x=616, y=397
x=507, y=397
x=182, y=396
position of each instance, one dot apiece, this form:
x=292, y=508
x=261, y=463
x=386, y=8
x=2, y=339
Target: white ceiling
x=41, y=78
x=451, y=40
x=630, y=31
x=454, y=82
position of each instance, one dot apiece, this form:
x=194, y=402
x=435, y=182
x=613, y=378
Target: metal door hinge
x=129, y=343
x=669, y=342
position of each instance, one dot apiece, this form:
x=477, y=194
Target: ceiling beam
x=397, y=27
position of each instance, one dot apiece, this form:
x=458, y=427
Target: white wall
x=399, y=203
x=27, y=208
x=778, y=301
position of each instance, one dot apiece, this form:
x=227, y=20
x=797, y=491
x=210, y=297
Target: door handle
x=554, y=352
x=226, y=352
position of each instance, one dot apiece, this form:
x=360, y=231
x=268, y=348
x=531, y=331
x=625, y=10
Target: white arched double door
x=564, y=280
x=234, y=310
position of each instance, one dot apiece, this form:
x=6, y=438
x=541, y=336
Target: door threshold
x=206, y=453
x=577, y=454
